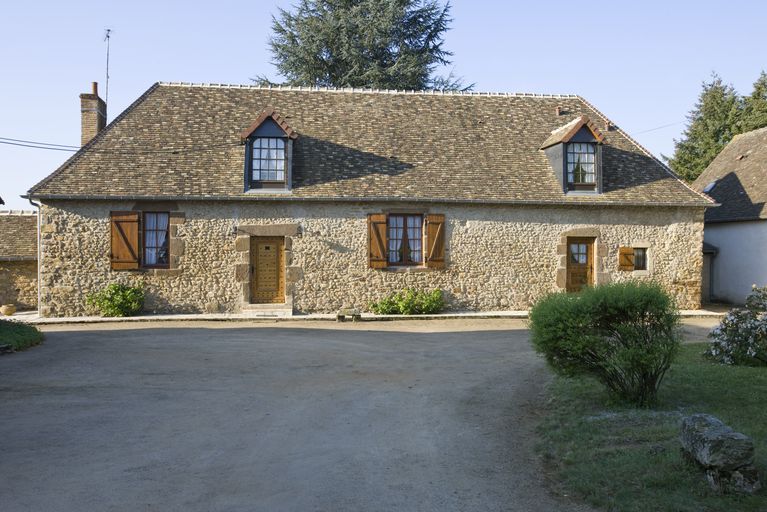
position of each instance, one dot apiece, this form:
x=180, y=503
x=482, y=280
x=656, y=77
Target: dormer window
x=581, y=166
x=574, y=151
x=268, y=153
x=269, y=161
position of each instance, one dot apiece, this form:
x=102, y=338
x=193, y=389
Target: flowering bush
x=741, y=338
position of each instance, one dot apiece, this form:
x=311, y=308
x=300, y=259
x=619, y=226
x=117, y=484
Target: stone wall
x=18, y=283
x=498, y=257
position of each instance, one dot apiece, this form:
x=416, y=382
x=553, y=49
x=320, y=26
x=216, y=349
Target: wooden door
x=267, y=270
x=580, y=263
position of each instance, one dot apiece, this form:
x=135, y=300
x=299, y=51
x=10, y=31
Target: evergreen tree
x=384, y=44
x=711, y=125
x=755, y=106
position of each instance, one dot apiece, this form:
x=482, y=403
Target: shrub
x=410, y=302
x=18, y=335
x=118, y=300
x=625, y=335
x=741, y=337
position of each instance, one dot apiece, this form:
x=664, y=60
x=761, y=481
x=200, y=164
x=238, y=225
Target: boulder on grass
x=727, y=456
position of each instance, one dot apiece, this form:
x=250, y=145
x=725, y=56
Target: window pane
x=151, y=220
x=280, y=143
x=281, y=175
x=162, y=221
x=151, y=256
x=640, y=258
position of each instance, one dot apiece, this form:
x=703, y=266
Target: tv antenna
x=107, y=35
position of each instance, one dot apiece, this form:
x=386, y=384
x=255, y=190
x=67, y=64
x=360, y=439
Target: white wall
x=742, y=258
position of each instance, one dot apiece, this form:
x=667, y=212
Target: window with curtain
x=581, y=164
x=156, y=253
x=268, y=159
x=405, y=235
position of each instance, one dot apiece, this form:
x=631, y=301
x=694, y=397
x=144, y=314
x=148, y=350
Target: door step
x=267, y=310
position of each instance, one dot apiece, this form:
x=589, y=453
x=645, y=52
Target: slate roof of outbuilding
x=740, y=173
x=18, y=235
x=182, y=141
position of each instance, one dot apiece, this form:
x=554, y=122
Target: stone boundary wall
x=18, y=283
x=498, y=257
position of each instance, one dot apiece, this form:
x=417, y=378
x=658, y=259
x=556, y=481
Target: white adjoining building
x=735, y=236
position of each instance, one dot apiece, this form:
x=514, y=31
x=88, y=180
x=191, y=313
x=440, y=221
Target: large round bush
x=625, y=334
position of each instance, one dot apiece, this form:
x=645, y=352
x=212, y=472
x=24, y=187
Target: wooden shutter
x=377, y=240
x=125, y=240
x=626, y=258
x=435, y=241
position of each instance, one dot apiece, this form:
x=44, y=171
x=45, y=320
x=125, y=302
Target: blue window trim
x=248, y=183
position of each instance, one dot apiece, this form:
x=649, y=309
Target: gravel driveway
x=372, y=417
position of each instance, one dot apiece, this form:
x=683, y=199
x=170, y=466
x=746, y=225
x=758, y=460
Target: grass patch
x=626, y=459
x=18, y=335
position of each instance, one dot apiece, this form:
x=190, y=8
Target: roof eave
x=362, y=199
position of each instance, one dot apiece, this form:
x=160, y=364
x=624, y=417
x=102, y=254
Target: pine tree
x=755, y=106
x=384, y=44
x=711, y=125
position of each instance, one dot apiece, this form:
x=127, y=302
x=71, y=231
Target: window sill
x=640, y=273
x=162, y=272
x=407, y=269
x=582, y=192
x=258, y=191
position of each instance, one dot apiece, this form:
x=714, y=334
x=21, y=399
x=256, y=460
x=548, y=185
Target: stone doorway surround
x=601, y=276
x=242, y=269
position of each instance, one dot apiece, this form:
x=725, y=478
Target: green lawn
x=20, y=336
x=623, y=459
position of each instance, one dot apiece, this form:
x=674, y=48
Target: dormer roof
x=269, y=113
x=566, y=132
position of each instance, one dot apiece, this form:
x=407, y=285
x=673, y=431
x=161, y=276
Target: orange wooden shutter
x=125, y=240
x=626, y=258
x=377, y=240
x=435, y=241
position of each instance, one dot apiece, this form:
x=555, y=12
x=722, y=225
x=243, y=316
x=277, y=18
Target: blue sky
x=641, y=63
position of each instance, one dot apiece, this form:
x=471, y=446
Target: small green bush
x=624, y=334
x=741, y=337
x=118, y=300
x=18, y=335
x=410, y=302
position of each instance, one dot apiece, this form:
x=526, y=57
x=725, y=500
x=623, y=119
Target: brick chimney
x=93, y=114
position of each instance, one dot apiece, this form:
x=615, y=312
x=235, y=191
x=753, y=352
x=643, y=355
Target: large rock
x=726, y=455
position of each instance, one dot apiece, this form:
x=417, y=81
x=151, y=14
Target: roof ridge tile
x=368, y=90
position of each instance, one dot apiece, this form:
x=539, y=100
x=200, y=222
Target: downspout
x=711, y=297
x=39, y=254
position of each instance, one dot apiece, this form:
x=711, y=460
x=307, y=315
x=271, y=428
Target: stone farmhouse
x=736, y=232
x=18, y=258
x=222, y=198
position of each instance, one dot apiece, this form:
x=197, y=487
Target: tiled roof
x=18, y=235
x=183, y=141
x=739, y=174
